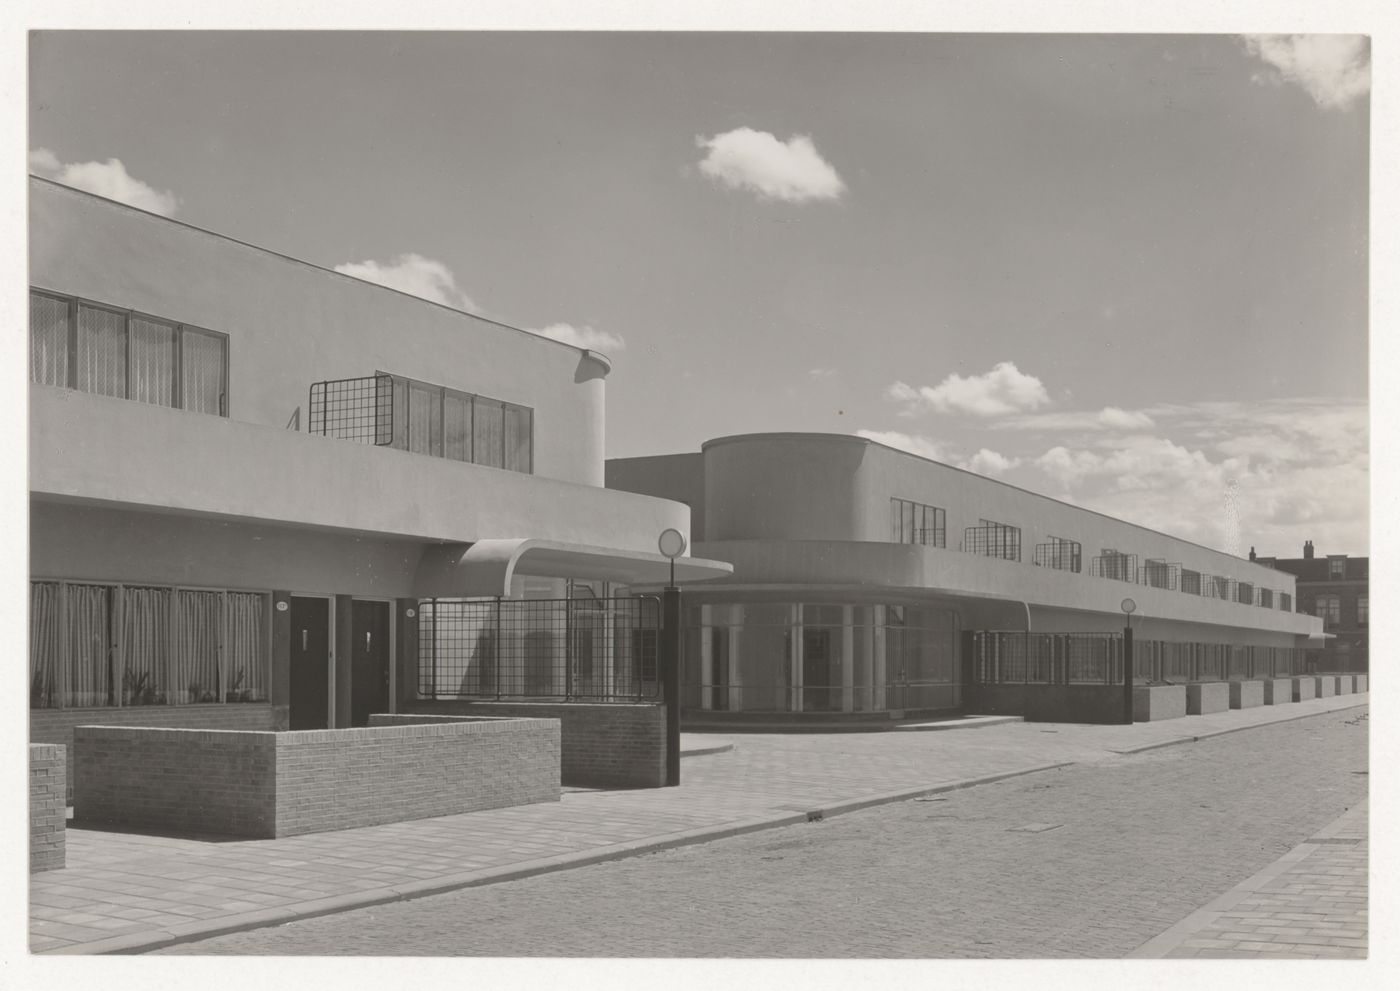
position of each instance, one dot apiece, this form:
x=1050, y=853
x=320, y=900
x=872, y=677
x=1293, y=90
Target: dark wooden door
x=369, y=661
x=311, y=655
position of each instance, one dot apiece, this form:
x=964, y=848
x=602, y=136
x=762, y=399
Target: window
x=1329, y=608
x=1363, y=611
x=113, y=352
x=125, y=645
x=1060, y=554
x=445, y=423
x=1190, y=581
x=1336, y=567
x=1285, y=602
x=1160, y=574
x=1116, y=565
x=1266, y=598
x=1244, y=593
x=992, y=539
x=916, y=523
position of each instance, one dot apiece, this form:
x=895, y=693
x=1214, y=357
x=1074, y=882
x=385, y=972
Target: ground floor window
x=820, y=657
x=97, y=644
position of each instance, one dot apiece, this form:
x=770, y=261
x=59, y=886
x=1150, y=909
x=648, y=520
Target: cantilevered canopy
x=486, y=567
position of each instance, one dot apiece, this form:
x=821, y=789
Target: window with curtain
x=517, y=437
x=45, y=641
x=487, y=432
x=247, y=679
x=457, y=426
x=145, y=645
x=444, y=423
x=48, y=340
x=101, y=351
x=89, y=639
x=113, y=352
x=152, y=362
x=111, y=645
x=203, y=365
x=194, y=661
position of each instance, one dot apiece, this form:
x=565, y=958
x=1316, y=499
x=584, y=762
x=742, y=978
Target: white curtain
x=43, y=644
x=202, y=372
x=89, y=632
x=101, y=351
x=246, y=676
x=145, y=642
x=152, y=362
x=48, y=340
x=194, y=658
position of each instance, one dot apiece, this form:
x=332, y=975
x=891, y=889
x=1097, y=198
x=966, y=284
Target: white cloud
x=821, y=373
x=109, y=179
x=922, y=446
x=1108, y=418
x=1335, y=69
x=415, y=275
x=1004, y=389
x=792, y=171
x=987, y=462
x=581, y=337
x=1302, y=466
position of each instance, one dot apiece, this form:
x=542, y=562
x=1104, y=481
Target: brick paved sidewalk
x=1310, y=903
x=124, y=892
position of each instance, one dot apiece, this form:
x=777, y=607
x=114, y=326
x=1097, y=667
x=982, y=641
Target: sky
x=1126, y=271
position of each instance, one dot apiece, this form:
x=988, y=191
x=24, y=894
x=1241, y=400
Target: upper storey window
x=394, y=411
x=992, y=539
x=916, y=523
x=86, y=346
x=1336, y=568
x=1060, y=554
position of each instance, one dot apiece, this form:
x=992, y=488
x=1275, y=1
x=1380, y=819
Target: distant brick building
x=1335, y=588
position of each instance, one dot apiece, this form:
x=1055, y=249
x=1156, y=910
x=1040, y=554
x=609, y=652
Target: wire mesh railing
x=587, y=650
x=359, y=409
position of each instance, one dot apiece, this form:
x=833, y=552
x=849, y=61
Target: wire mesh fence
x=594, y=650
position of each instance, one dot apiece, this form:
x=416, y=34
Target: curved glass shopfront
x=819, y=657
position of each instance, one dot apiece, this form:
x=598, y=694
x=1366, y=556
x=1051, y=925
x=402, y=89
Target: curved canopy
x=486, y=567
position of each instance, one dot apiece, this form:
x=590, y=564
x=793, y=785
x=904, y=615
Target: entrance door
x=311, y=656
x=369, y=663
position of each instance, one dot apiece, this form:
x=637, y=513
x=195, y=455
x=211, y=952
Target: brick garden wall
x=56, y=725
x=601, y=746
x=47, y=807
x=283, y=784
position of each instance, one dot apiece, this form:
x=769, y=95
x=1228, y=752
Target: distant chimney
x=1307, y=550
x=1251, y=552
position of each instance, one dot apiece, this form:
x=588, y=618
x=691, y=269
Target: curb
x=1364, y=700
x=197, y=930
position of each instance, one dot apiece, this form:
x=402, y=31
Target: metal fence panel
x=585, y=650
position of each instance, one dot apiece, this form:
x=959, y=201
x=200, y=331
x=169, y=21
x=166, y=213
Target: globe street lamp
x=1129, y=607
x=671, y=543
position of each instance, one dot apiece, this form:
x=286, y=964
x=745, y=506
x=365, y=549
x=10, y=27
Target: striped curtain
x=145, y=641
x=202, y=372
x=48, y=340
x=43, y=644
x=101, y=351
x=246, y=676
x=194, y=656
x=152, y=362
x=89, y=633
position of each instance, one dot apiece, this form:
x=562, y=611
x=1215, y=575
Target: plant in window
x=237, y=693
x=139, y=688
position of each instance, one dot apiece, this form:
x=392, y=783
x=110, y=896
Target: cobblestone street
x=1086, y=861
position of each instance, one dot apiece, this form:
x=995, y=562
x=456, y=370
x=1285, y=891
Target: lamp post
x=1129, y=607
x=672, y=545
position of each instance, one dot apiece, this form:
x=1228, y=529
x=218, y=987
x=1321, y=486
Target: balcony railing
x=359, y=410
